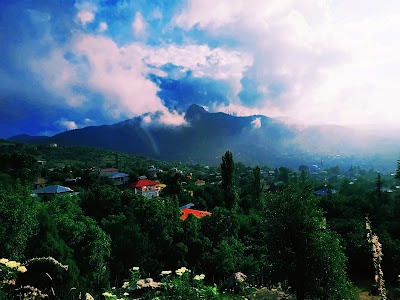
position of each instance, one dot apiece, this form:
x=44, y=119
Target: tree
x=284, y=175
x=379, y=187
x=302, y=249
x=48, y=242
x=398, y=170
x=257, y=187
x=174, y=187
x=89, y=243
x=17, y=221
x=228, y=181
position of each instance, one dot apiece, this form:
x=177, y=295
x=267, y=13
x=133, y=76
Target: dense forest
x=267, y=225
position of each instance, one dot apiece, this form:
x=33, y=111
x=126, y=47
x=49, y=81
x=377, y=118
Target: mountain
x=25, y=138
x=253, y=140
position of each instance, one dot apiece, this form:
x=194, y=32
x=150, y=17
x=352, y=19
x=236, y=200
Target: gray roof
x=53, y=189
x=119, y=175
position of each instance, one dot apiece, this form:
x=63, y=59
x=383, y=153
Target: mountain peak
x=194, y=112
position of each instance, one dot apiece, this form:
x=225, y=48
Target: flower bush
x=180, y=284
x=9, y=271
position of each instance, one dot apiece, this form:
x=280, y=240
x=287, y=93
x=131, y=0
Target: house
x=120, y=178
x=186, y=211
x=115, y=176
x=199, y=182
x=274, y=187
x=147, y=188
x=108, y=172
x=315, y=170
x=53, y=189
x=40, y=183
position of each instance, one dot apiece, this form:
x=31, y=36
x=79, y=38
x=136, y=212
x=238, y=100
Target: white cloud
x=119, y=74
x=332, y=61
x=86, y=12
x=139, y=25
x=217, y=63
x=147, y=119
x=85, y=17
x=256, y=123
x=103, y=27
x=59, y=76
x=172, y=118
x=66, y=124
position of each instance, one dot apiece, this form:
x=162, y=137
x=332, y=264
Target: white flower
x=135, y=269
x=88, y=296
x=182, y=270
x=12, y=264
x=22, y=269
x=166, y=272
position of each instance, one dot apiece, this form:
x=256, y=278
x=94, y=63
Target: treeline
x=313, y=244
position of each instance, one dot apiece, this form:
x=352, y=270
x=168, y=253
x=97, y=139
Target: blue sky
x=70, y=64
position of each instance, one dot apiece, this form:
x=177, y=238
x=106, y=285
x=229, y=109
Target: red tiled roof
x=197, y=213
x=110, y=170
x=143, y=182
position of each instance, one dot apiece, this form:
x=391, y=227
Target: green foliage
x=18, y=221
x=179, y=285
x=48, y=241
x=172, y=180
x=20, y=165
x=89, y=243
x=271, y=237
x=229, y=181
x=301, y=248
x=226, y=256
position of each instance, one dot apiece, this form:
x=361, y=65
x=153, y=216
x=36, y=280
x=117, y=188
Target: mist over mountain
x=255, y=140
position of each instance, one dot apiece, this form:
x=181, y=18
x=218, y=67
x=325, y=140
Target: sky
x=69, y=64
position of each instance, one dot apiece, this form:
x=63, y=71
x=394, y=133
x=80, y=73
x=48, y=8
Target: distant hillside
x=25, y=138
x=254, y=140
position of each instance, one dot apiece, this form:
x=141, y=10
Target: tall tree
x=228, y=181
x=302, y=249
x=379, y=187
x=257, y=187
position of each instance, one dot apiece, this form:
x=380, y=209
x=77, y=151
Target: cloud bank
x=316, y=61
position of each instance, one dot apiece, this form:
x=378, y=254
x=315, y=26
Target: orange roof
x=197, y=213
x=143, y=182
